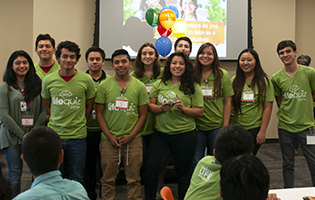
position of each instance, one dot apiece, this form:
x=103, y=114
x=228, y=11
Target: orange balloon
x=167, y=18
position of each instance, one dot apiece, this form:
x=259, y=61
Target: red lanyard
x=27, y=103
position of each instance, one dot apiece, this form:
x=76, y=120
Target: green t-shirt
x=68, y=103
x=92, y=124
x=213, y=107
x=121, y=121
x=42, y=74
x=148, y=127
x=175, y=121
x=251, y=112
x=295, y=113
x=205, y=181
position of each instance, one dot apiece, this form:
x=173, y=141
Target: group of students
x=141, y=118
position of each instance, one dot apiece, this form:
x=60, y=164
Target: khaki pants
x=131, y=156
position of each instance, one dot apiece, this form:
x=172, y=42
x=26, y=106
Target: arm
x=278, y=100
x=99, y=108
x=88, y=108
x=42, y=116
x=313, y=94
x=192, y=112
x=261, y=136
x=227, y=101
x=125, y=139
x=157, y=109
x=47, y=103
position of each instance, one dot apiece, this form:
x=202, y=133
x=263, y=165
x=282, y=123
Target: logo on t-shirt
x=66, y=98
x=295, y=93
x=169, y=97
x=205, y=173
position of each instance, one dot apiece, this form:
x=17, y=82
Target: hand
x=272, y=196
x=179, y=104
x=125, y=139
x=261, y=137
x=114, y=141
x=165, y=107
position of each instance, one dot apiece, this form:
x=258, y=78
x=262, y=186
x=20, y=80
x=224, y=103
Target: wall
x=22, y=20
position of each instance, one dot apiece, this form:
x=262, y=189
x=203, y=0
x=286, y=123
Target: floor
x=269, y=153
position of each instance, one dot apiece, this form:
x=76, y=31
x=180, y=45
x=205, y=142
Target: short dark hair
x=94, y=49
x=120, y=52
x=232, y=141
x=244, y=177
x=183, y=38
x=304, y=59
x=71, y=46
x=40, y=149
x=286, y=43
x=45, y=37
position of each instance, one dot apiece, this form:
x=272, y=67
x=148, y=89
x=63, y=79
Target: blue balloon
x=173, y=8
x=163, y=45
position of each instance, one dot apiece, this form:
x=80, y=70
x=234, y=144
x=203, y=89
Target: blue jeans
x=75, y=154
x=15, y=165
x=182, y=146
x=286, y=140
x=205, y=139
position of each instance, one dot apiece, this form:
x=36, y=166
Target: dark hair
x=304, y=59
x=5, y=188
x=185, y=39
x=258, y=81
x=138, y=64
x=33, y=84
x=45, y=37
x=188, y=78
x=217, y=72
x=94, y=49
x=40, y=149
x=120, y=52
x=71, y=46
x=232, y=141
x=196, y=4
x=286, y=43
x=244, y=177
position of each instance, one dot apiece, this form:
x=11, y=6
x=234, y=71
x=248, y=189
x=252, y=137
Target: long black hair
x=258, y=81
x=187, y=79
x=33, y=83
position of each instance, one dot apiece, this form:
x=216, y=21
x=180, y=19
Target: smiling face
x=188, y=7
x=148, y=56
x=247, y=63
x=287, y=55
x=68, y=59
x=121, y=65
x=95, y=61
x=184, y=47
x=20, y=66
x=177, y=66
x=206, y=57
x=45, y=50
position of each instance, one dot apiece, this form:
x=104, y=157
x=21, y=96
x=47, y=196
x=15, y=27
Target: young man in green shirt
x=45, y=49
x=293, y=89
x=95, y=58
x=121, y=110
x=68, y=96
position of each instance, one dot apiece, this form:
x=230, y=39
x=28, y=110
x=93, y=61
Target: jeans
x=93, y=158
x=286, y=140
x=254, y=133
x=205, y=139
x=15, y=165
x=74, y=155
x=183, y=147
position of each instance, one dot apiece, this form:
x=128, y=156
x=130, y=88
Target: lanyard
x=27, y=103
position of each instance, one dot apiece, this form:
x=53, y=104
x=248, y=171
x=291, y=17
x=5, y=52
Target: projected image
x=206, y=20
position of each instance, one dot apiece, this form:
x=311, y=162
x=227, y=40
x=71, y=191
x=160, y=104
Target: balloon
x=152, y=16
x=173, y=8
x=163, y=45
x=179, y=28
x=163, y=31
x=167, y=18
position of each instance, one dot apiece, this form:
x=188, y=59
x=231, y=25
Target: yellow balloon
x=167, y=18
x=179, y=28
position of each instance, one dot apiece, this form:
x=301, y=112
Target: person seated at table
x=231, y=141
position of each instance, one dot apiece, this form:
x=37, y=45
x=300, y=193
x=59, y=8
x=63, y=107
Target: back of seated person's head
x=232, y=141
x=40, y=149
x=244, y=178
x=304, y=60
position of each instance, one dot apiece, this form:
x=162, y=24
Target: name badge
x=310, y=139
x=27, y=121
x=149, y=87
x=23, y=106
x=121, y=104
x=93, y=114
x=206, y=92
x=248, y=96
